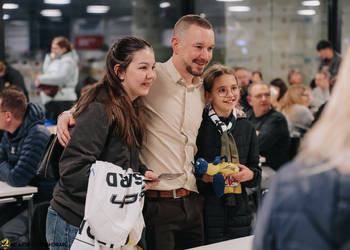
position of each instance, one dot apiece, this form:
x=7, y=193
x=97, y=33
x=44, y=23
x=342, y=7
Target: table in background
x=244, y=243
x=16, y=194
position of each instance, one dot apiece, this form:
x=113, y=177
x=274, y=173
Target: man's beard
x=189, y=68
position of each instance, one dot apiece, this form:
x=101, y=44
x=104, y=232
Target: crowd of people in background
x=188, y=113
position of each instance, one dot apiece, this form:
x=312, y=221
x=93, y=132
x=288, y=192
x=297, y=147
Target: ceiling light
x=51, y=13
x=229, y=0
x=164, y=5
x=57, y=1
x=311, y=3
x=239, y=8
x=306, y=12
x=97, y=9
x=5, y=17
x=9, y=6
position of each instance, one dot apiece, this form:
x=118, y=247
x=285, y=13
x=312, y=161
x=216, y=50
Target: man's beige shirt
x=174, y=114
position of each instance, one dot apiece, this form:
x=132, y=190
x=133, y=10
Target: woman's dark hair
x=63, y=42
x=130, y=123
x=279, y=83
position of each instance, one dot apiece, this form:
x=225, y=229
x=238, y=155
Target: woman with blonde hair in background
x=294, y=105
x=308, y=204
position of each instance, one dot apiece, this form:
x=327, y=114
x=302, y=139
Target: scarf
x=228, y=146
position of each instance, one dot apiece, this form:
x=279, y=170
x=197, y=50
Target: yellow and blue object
x=219, y=168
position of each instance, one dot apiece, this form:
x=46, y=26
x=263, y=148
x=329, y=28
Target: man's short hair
x=184, y=23
x=323, y=44
x=14, y=100
x=236, y=68
x=251, y=86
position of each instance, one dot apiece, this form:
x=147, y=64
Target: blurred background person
x=257, y=76
x=244, y=79
x=272, y=130
x=11, y=76
x=294, y=77
x=294, y=105
x=308, y=204
x=321, y=93
x=21, y=147
x=277, y=88
x=60, y=70
x=329, y=57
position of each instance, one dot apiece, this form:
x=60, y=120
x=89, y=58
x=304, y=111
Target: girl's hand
x=150, y=175
x=207, y=178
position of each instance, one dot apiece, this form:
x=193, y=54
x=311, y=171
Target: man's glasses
x=260, y=96
x=223, y=91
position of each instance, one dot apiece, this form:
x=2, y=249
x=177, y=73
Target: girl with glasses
x=225, y=131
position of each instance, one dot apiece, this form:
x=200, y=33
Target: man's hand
x=149, y=175
x=245, y=174
x=63, y=121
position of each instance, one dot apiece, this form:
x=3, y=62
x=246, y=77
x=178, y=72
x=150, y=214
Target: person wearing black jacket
x=270, y=125
x=10, y=76
x=109, y=127
x=229, y=216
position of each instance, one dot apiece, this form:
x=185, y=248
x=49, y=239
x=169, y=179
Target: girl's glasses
x=223, y=91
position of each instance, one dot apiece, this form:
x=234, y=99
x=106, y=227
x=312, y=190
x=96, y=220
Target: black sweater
x=274, y=141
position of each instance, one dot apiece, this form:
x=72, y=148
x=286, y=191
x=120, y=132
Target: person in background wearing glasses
x=272, y=130
x=226, y=131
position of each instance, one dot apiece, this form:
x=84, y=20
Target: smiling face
x=193, y=50
x=224, y=95
x=140, y=74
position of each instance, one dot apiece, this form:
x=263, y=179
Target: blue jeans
x=59, y=234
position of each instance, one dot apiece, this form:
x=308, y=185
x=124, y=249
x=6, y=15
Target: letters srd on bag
x=113, y=210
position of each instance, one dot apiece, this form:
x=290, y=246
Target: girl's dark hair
x=63, y=42
x=130, y=124
x=279, y=83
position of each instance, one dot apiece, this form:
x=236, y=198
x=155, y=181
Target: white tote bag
x=113, y=210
